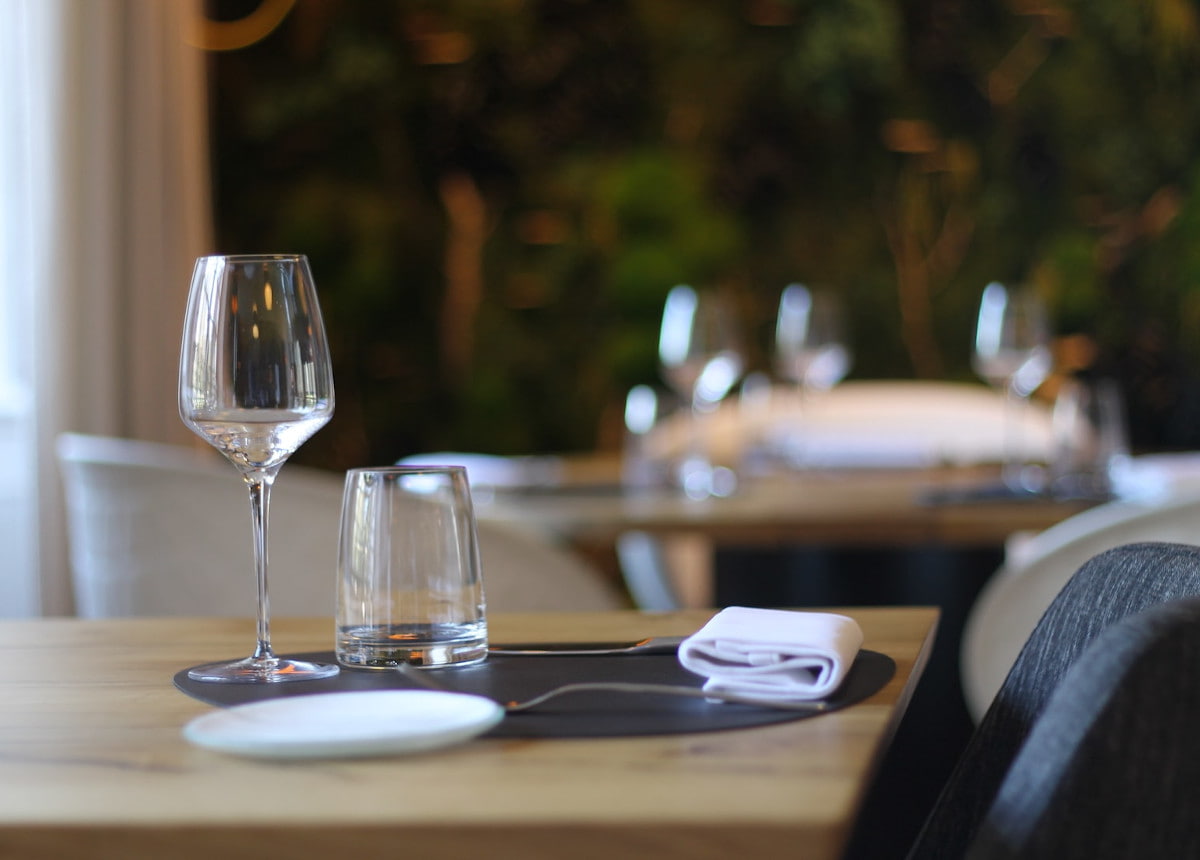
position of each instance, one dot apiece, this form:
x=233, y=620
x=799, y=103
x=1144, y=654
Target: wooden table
x=94, y=765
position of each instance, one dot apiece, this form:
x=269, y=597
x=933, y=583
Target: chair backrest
x=1010, y=604
x=162, y=530
x=1115, y=584
x=1112, y=767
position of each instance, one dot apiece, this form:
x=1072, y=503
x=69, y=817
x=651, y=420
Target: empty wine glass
x=810, y=338
x=811, y=350
x=255, y=383
x=1012, y=353
x=700, y=355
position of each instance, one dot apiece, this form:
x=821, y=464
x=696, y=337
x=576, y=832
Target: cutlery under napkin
x=773, y=654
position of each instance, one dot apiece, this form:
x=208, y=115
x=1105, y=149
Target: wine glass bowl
x=698, y=347
x=255, y=382
x=811, y=349
x=1011, y=340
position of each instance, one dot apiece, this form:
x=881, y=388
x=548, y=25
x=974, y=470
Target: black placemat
x=589, y=714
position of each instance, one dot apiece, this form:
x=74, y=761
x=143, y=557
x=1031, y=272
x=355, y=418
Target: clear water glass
x=410, y=586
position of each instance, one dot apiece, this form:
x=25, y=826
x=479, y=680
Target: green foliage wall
x=496, y=195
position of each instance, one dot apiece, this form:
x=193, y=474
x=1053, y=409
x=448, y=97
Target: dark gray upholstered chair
x=1112, y=766
x=1015, y=597
x=1113, y=585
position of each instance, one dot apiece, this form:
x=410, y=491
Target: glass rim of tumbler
x=408, y=470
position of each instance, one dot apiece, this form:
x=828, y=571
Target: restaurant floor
x=937, y=725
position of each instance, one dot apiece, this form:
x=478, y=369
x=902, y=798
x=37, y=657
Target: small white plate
x=325, y=725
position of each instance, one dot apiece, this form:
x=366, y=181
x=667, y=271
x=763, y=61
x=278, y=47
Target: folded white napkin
x=773, y=655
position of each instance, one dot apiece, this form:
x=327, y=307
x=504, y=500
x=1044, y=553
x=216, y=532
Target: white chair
x=162, y=530
x=1013, y=600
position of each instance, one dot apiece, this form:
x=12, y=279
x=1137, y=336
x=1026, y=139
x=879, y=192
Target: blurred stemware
x=811, y=351
x=640, y=469
x=255, y=382
x=1091, y=440
x=700, y=355
x=1012, y=353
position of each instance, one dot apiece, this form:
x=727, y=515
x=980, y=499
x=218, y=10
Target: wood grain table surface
x=94, y=764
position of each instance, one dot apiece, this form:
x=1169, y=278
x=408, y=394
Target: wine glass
x=255, y=383
x=811, y=348
x=1012, y=353
x=700, y=355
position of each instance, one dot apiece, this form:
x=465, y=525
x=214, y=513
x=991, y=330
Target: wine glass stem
x=696, y=445
x=802, y=440
x=695, y=471
x=260, y=483
x=1013, y=468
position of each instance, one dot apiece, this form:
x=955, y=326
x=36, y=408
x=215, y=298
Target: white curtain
x=105, y=184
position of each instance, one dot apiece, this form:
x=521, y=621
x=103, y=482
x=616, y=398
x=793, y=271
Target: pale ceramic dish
x=329, y=725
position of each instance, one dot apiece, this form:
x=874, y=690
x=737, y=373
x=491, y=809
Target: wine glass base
x=262, y=670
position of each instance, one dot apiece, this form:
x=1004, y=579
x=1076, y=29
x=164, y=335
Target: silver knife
x=652, y=645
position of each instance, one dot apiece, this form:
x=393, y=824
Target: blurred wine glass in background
x=699, y=351
x=640, y=469
x=1012, y=353
x=1091, y=439
x=811, y=351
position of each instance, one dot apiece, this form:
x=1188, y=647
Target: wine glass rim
x=240, y=258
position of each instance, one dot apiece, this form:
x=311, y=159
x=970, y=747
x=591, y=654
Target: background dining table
x=95, y=765
x=587, y=506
